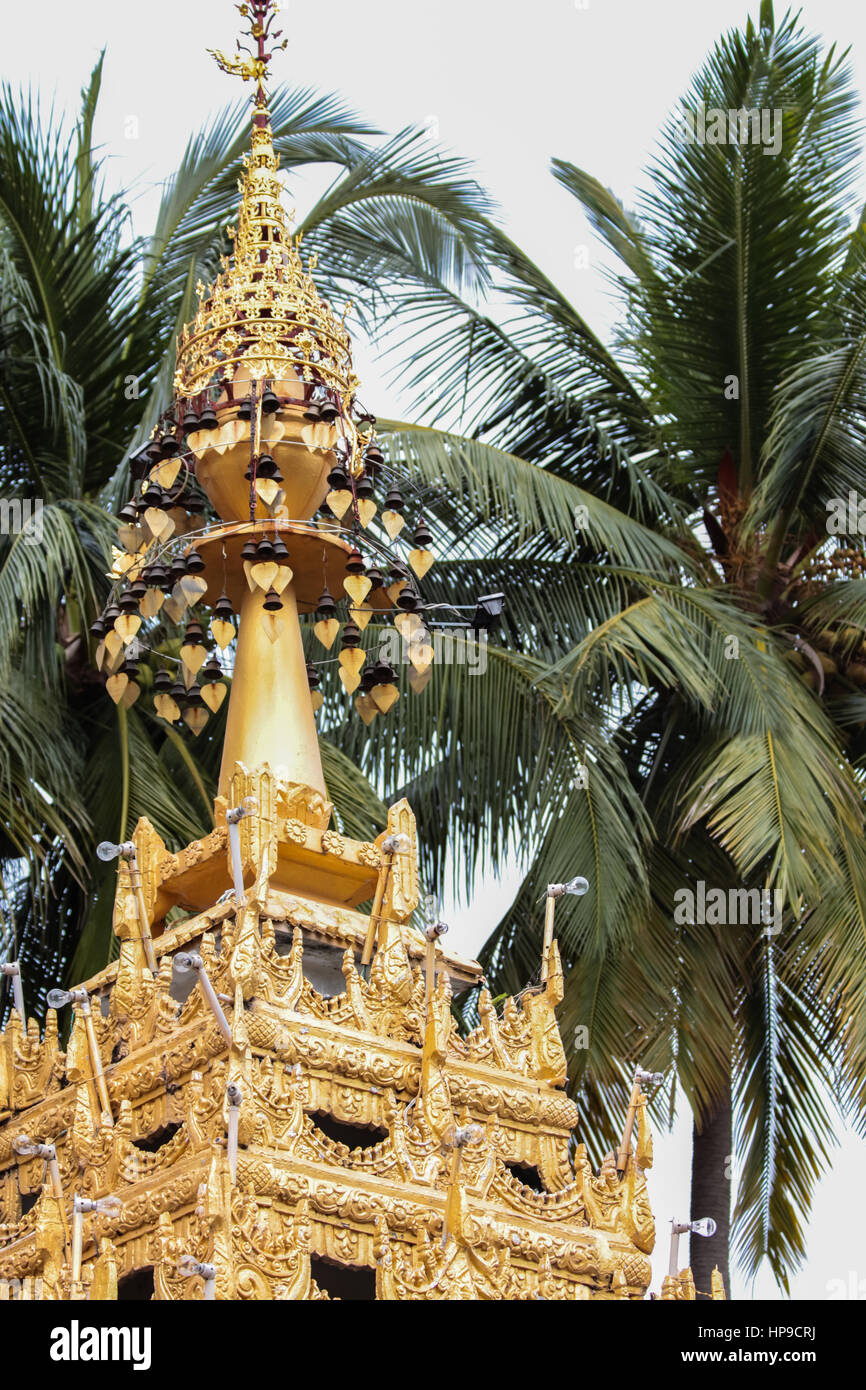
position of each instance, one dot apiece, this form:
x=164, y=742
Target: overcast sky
x=508, y=85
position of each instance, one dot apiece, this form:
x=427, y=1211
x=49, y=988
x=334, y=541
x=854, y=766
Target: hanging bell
x=317, y=699
x=281, y=550
x=398, y=578
x=195, y=562
x=373, y=459
x=123, y=687
x=97, y=629
x=409, y=600
x=178, y=570
x=327, y=628
x=263, y=570
x=392, y=515
x=421, y=558
x=139, y=464
x=128, y=514
x=270, y=403
x=168, y=446
x=222, y=627
x=193, y=652
x=213, y=691
x=364, y=491
x=352, y=658
x=376, y=578
x=384, y=690
x=313, y=412
x=164, y=701
x=127, y=624
x=328, y=412
x=248, y=556
x=268, y=469
x=195, y=715
x=208, y=420
x=190, y=422
x=365, y=706
x=273, y=603
x=339, y=499
x=245, y=409
x=154, y=452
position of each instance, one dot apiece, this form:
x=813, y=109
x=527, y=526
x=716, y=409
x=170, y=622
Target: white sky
x=509, y=85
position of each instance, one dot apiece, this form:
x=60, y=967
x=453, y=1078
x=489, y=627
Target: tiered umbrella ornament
x=256, y=498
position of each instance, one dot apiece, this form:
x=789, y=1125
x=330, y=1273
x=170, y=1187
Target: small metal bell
x=168, y=446
x=208, y=420
x=409, y=600
x=338, y=479
x=355, y=562
x=351, y=637
x=195, y=563
x=245, y=409
x=273, y=603
x=327, y=608
x=270, y=403
x=394, y=502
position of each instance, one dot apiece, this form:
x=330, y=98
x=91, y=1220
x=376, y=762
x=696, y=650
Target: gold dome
x=263, y=319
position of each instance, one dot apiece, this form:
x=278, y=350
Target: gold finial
x=254, y=67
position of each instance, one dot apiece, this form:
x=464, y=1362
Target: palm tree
x=678, y=695
x=88, y=316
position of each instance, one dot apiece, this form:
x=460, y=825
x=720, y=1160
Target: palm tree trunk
x=712, y=1148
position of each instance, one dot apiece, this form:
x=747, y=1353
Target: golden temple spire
x=254, y=67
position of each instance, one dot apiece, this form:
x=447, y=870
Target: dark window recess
x=353, y=1136
x=28, y=1201
x=528, y=1175
x=346, y=1282
x=157, y=1140
x=137, y=1287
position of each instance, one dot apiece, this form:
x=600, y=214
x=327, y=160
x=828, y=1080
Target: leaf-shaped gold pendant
x=166, y=472
x=126, y=626
x=132, y=538
x=152, y=602
x=357, y=586
x=159, y=523
x=222, y=632
x=273, y=625
x=407, y=624
x=213, y=695
x=385, y=696
x=339, y=501
x=167, y=708
x=193, y=586
x=393, y=523
x=116, y=685
x=419, y=679
x=421, y=561
x=361, y=616
x=326, y=630
x=264, y=573
x=196, y=719
x=367, y=509
x=193, y=656
x=366, y=708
